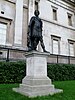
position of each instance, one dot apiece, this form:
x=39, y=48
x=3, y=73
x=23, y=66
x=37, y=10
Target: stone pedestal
x=36, y=82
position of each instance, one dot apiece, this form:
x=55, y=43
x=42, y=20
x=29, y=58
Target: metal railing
x=61, y=59
x=8, y=50
x=19, y=54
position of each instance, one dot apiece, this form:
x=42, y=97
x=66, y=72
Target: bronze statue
x=35, y=33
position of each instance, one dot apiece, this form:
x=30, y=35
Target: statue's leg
x=29, y=44
x=42, y=44
x=36, y=41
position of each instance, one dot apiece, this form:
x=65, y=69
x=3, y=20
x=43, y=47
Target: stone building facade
x=13, y=26
x=58, y=18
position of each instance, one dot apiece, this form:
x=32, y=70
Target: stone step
x=36, y=81
x=37, y=88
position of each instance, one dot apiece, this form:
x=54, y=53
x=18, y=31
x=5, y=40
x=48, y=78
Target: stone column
x=31, y=8
x=18, y=23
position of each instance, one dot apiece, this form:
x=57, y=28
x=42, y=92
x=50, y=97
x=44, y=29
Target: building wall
x=9, y=9
x=59, y=28
x=8, y=16
x=16, y=36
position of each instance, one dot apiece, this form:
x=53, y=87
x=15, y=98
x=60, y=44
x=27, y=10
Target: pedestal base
x=33, y=87
x=36, y=82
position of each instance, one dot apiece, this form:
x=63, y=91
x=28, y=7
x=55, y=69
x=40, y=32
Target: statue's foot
x=29, y=49
x=46, y=51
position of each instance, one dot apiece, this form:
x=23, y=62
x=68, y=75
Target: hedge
x=14, y=72
x=61, y=72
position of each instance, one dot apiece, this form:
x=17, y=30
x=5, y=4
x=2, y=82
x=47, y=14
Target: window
x=55, y=14
x=69, y=19
x=55, y=44
x=55, y=47
x=71, y=48
x=0, y=53
x=36, y=5
x=3, y=29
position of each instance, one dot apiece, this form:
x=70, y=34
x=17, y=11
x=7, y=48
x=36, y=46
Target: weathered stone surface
x=36, y=82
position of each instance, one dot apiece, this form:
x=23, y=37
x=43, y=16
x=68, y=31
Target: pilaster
x=18, y=23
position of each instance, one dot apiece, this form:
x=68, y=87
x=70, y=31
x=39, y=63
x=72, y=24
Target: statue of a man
x=35, y=33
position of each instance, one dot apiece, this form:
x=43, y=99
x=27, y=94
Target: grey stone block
x=36, y=82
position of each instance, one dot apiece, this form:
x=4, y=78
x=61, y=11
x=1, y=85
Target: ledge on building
x=71, y=2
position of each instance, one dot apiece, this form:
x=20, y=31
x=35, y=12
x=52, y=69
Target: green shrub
x=14, y=72
x=61, y=72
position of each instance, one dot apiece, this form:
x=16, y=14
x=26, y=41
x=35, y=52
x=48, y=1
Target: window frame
x=54, y=15
x=8, y=23
x=56, y=38
x=2, y=33
x=70, y=21
x=71, y=42
x=36, y=5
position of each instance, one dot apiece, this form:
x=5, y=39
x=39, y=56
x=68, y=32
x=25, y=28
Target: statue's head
x=36, y=13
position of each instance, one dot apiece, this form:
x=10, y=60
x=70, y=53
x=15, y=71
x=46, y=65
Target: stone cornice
x=14, y=2
x=65, y=6
x=71, y=2
x=11, y=1
x=55, y=23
